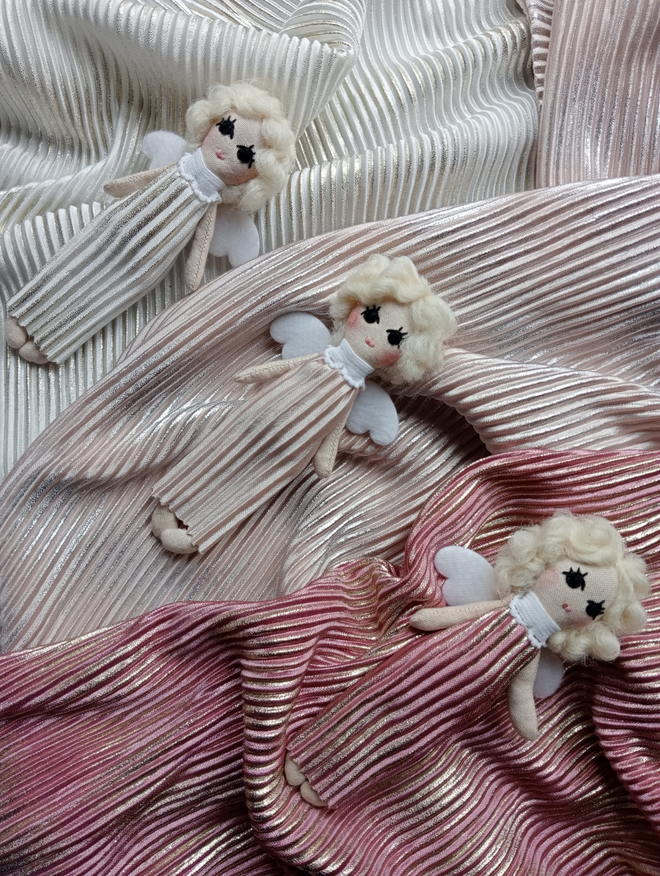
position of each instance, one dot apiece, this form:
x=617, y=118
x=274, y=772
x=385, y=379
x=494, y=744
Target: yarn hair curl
x=382, y=279
x=589, y=540
x=273, y=162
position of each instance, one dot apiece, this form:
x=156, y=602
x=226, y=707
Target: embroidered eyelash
x=371, y=314
x=395, y=336
x=226, y=127
x=245, y=155
x=575, y=580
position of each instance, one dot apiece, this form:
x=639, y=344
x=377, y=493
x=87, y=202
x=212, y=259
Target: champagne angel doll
x=387, y=321
x=243, y=153
x=567, y=585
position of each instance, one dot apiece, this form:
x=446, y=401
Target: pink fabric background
x=158, y=745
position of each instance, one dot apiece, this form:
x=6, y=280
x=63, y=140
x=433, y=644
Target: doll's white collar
x=348, y=363
x=205, y=184
x=529, y=612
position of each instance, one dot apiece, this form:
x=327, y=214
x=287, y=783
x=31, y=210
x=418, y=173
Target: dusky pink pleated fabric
x=157, y=746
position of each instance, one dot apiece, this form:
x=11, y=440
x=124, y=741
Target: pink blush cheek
x=353, y=317
x=384, y=360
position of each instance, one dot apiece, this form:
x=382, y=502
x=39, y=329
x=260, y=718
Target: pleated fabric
x=601, y=99
x=244, y=458
x=436, y=111
x=530, y=278
x=539, y=13
x=109, y=265
x=149, y=747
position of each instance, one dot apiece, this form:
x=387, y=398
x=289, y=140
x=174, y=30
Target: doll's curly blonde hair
x=382, y=279
x=590, y=540
x=273, y=162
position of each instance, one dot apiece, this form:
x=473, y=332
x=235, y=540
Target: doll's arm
x=269, y=370
x=324, y=458
x=442, y=618
x=119, y=188
x=522, y=710
x=200, y=249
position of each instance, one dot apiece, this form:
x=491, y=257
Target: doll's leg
x=521, y=700
x=18, y=339
x=165, y=525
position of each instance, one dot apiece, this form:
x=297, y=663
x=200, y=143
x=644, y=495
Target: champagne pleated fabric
x=157, y=746
x=600, y=103
x=557, y=308
x=400, y=107
x=252, y=451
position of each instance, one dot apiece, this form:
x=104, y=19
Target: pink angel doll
x=567, y=585
x=243, y=153
x=387, y=321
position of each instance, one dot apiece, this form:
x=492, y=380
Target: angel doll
x=387, y=321
x=243, y=153
x=567, y=585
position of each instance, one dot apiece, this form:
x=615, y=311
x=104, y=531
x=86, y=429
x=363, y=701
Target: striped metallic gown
x=260, y=446
x=122, y=254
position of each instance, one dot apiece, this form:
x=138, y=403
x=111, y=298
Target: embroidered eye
x=575, y=580
x=594, y=609
x=245, y=155
x=226, y=127
x=371, y=314
x=395, y=336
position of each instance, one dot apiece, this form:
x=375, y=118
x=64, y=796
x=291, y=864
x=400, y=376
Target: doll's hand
x=165, y=526
x=297, y=779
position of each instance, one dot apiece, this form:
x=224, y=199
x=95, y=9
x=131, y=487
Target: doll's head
x=587, y=581
x=391, y=318
x=231, y=114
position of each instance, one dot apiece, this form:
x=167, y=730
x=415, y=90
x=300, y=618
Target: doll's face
x=575, y=594
x=230, y=147
x=378, y=333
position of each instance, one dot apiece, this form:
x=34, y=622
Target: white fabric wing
x=235, y=235
x=470, y=578
x=373, y=411
x=548, y=675
x=163, y=147
x=300, y=333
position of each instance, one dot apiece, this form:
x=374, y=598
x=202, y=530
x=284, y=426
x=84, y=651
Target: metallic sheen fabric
x=157, y=746
x=401, y=106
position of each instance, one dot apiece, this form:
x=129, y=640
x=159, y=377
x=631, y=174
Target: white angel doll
x=387, y=320
x=243, y=154
x=570, y=582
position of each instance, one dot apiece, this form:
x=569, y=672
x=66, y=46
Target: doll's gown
x=261, y=444
x=117, y=258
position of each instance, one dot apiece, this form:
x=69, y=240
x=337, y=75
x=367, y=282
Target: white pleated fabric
x=401, y=107
x=539, y=13
x=557, y=347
